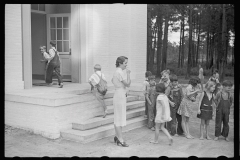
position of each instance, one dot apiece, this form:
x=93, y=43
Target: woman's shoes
x=123, y=144
x=115, y=139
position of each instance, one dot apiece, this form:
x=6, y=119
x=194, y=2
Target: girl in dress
x=163, y=113
x=185, y=108
x=205, y=108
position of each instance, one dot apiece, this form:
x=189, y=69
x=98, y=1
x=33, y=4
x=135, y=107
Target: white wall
x=115, y=30
x=13, y=47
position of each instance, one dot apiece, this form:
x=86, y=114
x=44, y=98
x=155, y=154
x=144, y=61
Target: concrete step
x=99, y=121
x=101, y=132
x=109, y=101
x=130, y=105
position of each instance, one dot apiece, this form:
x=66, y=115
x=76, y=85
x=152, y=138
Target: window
x=59, y=32
x=38, y=7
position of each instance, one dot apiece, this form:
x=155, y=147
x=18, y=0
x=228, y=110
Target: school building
x=86, y=34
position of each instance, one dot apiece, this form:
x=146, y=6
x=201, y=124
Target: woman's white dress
x=163, y=112
x=119, y=98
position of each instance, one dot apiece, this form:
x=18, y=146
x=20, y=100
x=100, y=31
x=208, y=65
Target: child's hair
x=42, y=47
x=160, y=87
x=209, y=84
x=173, y=77
x=193, y=81
x=148, y=73
x=165, y=71
x=151, y=77
x=97, y=67
x=227, y=83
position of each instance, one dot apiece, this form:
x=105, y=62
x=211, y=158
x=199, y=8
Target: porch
x=71, y=112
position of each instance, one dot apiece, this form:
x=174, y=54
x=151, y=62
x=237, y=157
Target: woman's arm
x=128, y=81
x=189, y=92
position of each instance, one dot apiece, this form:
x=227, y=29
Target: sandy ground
x=26, y=144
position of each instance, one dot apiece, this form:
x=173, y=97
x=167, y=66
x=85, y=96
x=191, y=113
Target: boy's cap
x=53, y=43
x=97, y=66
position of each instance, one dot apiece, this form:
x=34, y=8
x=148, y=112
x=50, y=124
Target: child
x=224, y=101
x=175, y=94
x=205, y=108
x=151, y=99
x=216, y=80
x=163, y=113
x=145, y=85
x=93, y=81
x=165, y=77
x=185, y=108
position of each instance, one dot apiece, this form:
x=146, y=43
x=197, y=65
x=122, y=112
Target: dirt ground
x=25, y=144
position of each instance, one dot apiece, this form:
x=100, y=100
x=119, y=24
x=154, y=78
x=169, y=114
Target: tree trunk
x=182, y=57
x=165, y=42
x=190, y=42
x=159, y=45
x=208, y=42
x=149, y=40
x=223, y=57
x=180, y=46
x=198, y=40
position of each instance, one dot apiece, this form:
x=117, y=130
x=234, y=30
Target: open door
x=58, y=30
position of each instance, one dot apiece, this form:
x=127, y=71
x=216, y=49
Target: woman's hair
x=173, y=77
x=120, y=60
x=160, y=87
x=209, y=84
x=227, y=83
x=42, y=47
x=148, y=73
x=193, y=81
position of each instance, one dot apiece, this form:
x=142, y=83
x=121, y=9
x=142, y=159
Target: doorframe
x=26, y=46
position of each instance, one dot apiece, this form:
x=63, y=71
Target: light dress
x=119, y=98
x=163, y=112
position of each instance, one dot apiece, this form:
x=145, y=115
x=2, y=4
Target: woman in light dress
x=120, y=82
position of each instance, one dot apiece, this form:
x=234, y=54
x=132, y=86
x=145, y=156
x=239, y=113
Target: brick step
x=99, y=121
x=102, y=131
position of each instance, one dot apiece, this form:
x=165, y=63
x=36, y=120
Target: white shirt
x=94, y=79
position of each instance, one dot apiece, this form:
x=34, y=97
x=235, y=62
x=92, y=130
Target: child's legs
x=184, y=125
x=225, y=130
x=157, y=126
x=207, y=126
x=146, y=108
x=150, y=116
x=165, y=131
x=187, y=125
x=100, y=99
x=202, y=127
x=179, y=125
x=218, y=122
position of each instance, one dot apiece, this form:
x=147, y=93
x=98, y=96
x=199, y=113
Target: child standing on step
x=175, y=94
x=93, y=81
x=145, y=85
x=151, y=101
x=163, y=113
x=224, y=101
x=205, y=108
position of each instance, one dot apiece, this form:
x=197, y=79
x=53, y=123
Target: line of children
x=205, y=108
x=151, y=102
x=224, y=101
x=162, y=114
x=175, y=94
x=185, y=108
x=145, y=85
